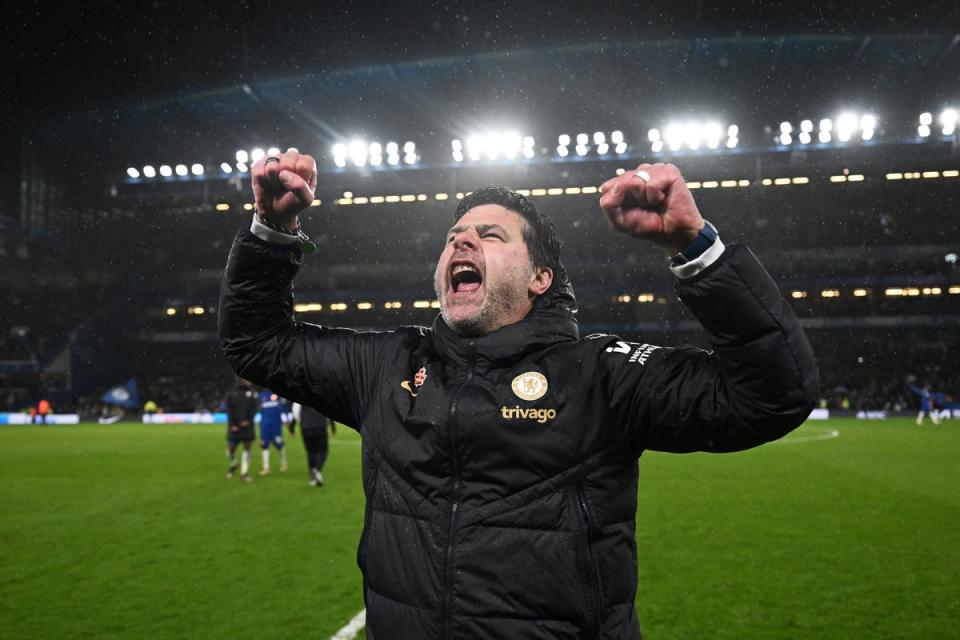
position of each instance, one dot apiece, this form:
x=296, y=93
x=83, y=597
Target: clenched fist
x=652, y=202
x=283, y=186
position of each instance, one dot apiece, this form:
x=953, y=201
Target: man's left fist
x=652, y=202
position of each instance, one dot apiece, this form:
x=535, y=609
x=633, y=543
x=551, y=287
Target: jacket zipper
x=454, y=503
x=594, y=597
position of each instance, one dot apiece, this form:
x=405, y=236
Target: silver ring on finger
x=643, y=175
x=271, y=159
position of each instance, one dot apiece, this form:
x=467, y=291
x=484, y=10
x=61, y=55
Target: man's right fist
x=283, y=186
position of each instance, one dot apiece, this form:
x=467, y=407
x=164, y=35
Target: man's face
x=484, y=279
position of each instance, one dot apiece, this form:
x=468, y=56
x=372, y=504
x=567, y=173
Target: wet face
x=484, y=279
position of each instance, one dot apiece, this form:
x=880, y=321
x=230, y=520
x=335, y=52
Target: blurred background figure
x=241, y=405
x=927, y=403
x=313, y=430
x=43, y=410
x=273, y=409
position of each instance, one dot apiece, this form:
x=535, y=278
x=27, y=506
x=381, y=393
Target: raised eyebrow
x=481, y=228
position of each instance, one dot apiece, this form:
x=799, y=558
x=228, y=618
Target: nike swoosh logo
x=406, y=385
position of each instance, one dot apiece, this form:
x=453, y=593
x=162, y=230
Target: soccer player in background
x=313, y=430
x=240, y=403
x=273, y=409
x=927, y=404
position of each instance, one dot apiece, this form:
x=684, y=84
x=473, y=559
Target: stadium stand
x=124, y=273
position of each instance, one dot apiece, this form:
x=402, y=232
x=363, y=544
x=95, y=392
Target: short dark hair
x=539, y=234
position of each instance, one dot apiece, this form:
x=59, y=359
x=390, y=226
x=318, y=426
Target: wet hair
x=539, y=234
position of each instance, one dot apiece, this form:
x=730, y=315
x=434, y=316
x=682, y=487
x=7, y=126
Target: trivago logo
x=519, y=413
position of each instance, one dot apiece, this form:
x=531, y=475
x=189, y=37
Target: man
x=313, y=429
x=43, y=410
x=499, y=447
x=273, y=410
x=240, y=403
x=928, y=405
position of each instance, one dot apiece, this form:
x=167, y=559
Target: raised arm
x=759, y=382
x=326, y=368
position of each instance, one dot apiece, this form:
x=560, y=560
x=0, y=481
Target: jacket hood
x=552, y=320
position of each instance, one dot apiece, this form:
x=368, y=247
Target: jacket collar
x=552, y=320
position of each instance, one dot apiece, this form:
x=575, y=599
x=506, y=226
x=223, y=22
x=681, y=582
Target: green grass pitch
x=132, y=531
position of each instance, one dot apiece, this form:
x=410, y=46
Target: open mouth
x=465, y=278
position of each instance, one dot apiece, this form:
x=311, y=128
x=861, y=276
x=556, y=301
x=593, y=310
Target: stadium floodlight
x=786, y=127
x=923, y=131
x=181, y=170
x=474, y=147
x=866, y=134
x=562, y=151
x=166, y=171
x=806, y=126
x=582, y=149
x=621, y=148
x=340, y=154
x=868, y=121
x=196, y=169
x=805, y=137
x=273, y=151
x=785, y=139
x=357, y=151
x=582, y=139
x=510, y=145
x=256, y=154
x=564, y=140
x=133, y=172
x=409, y=152
x=528, y=147
x=846, y=125
x=692, y=135
x=149, y=171
x=653, y=135
x=599, y=137
x=674, y=136
x=603, y=149
x=393, y=153
x=826, y=124
x=243, y=156
x=712, y=133
x=375, y=150
x=948, y=118
x=616, y=137
x=926, y=118
x=657, y=146
x=225, y=167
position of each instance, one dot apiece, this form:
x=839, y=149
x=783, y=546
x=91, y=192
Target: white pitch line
x=352, y=628
x=829, y=435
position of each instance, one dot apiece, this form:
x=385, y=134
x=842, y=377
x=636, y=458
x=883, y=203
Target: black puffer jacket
x=501, y=471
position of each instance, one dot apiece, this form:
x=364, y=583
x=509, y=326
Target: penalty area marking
x=352, y=628
x=828, y=435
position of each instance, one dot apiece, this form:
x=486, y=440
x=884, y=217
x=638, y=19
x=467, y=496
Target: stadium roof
x=107, y=84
